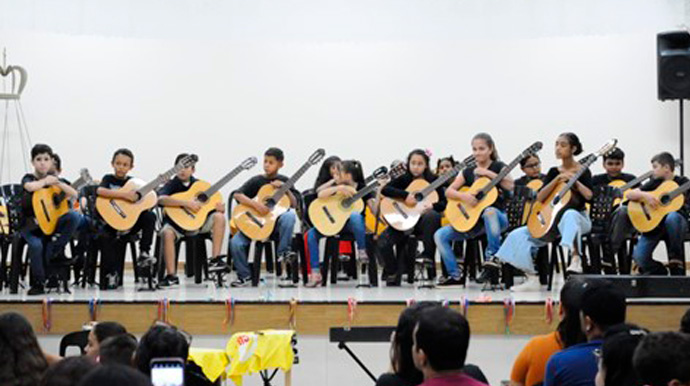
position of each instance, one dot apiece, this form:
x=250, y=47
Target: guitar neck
x=146, y=189
x=290, y=182
x=679, y=190
x=636, y=181
x=501, y=175
x=219, y=185
x=442, y=179
x=361, y=193
x=585, y=166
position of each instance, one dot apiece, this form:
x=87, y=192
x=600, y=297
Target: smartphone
x=167, y=372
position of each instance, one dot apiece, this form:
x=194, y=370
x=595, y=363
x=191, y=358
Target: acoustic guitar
x=403, y=217
x=645, y=218
x=330, y=214
x=50, y=203
x=259, y=227
x=121, y=214
x=205, y=194
x=463, y=216
x=545, y=215
x=373, y=221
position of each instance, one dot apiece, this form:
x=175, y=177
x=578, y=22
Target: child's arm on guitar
x=326, y=185
x=347, y=190
x=638, y=195
x=68, y=189
x=257, y=206
x=40, y=184
x=131, y=196
x=506, y=183
x=192, y=205
x=453, y=192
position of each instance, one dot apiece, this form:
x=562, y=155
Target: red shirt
x=452, y=380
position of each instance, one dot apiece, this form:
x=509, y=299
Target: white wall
x=369, y=79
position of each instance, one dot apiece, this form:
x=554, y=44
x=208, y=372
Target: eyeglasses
x=530, y=166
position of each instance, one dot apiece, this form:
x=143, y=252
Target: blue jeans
x=239, y=244
x=494, y=223
x=66, y=228
x=355, y=225
x=672, y=229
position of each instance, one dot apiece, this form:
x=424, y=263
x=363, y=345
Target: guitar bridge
x=189, y=213
x=45, y=210
x=253, y=219
x=328, y=214
x=400, y=210
x=541, y=219
x=463, y=211
x=646, y=212
x=117, y=209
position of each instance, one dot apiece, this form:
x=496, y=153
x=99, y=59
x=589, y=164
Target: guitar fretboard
x=146, y=189
x=636, y=181
x=219, y=185
x=506, y=170
x=446, y=176
x=586, y=163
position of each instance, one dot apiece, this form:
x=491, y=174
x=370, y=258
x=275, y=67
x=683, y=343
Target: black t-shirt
x=524, y=180
x=176, y=186
x=252, y=186
x=396, y=189
x=496, y=167
x=27, y=206
x=585, y=179
x=390, y=379
x=110, y=181
x=605, y=179
x=654, y=183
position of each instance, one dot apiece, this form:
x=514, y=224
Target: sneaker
x=492, y=262
x=145, y=260
x=450, y=282
x=36, y=290
x=315, y=280
x=675, y=268
x=169, y=281
x=217, y=264
x=240, y=283
x=288, y=257
x=532, y=284
x=488, y=274
x=362, y=256
x=393, y=281
x=575, y=266
x=52, y=282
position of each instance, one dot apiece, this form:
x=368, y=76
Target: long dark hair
x=354, y=168
x=23, y=362
x=569, y=328
x=489, y=142
x=427, y=174
x=617, y=353
x=401, y=351
x=325, y=170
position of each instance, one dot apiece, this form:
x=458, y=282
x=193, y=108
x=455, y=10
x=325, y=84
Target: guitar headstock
x=533, y=149
x=249, y=163
x=468, y=162
x=380, y=172
x=397, y=169
x=608, y=147
x=85, y=175
x=316, y=157
x=188, y=161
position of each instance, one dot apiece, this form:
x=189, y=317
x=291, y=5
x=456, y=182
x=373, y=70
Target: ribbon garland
x=351, y=311
x=163, y=310
x=229, y=312
x=508, y=312
x=47, y=313
x=548, y=311
x=292, y=321
x=94, y=309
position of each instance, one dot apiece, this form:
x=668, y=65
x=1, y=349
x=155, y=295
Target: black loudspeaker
x=673, y=65
x=637, y=286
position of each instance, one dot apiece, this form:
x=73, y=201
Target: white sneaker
x=575, y=266
x=532, y=284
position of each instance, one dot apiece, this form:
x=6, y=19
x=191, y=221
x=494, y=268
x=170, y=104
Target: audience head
x=663, y=359
x=603, y=306
x=118, y=349
x=616, y=356
x=115, y=375
x=161, y=341
x=23, y=362
x=685, y=322
x=100, y=332
x=441, y=339
x=68, y=372
x=569, y=328
x=401, y=349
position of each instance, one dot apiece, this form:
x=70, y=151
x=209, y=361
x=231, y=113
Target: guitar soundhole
x=270, y=203
x=418, y=196
x=202, y=198
x=479, y=196
x=665, y=199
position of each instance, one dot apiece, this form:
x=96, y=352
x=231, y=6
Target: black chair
x=78, y=339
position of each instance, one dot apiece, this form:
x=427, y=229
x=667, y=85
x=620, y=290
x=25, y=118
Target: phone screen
x=167, y=373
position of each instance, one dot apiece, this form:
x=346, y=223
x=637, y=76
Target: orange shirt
x=530, y=365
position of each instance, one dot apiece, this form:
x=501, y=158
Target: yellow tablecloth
x=212, y=361
x=251, y=352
